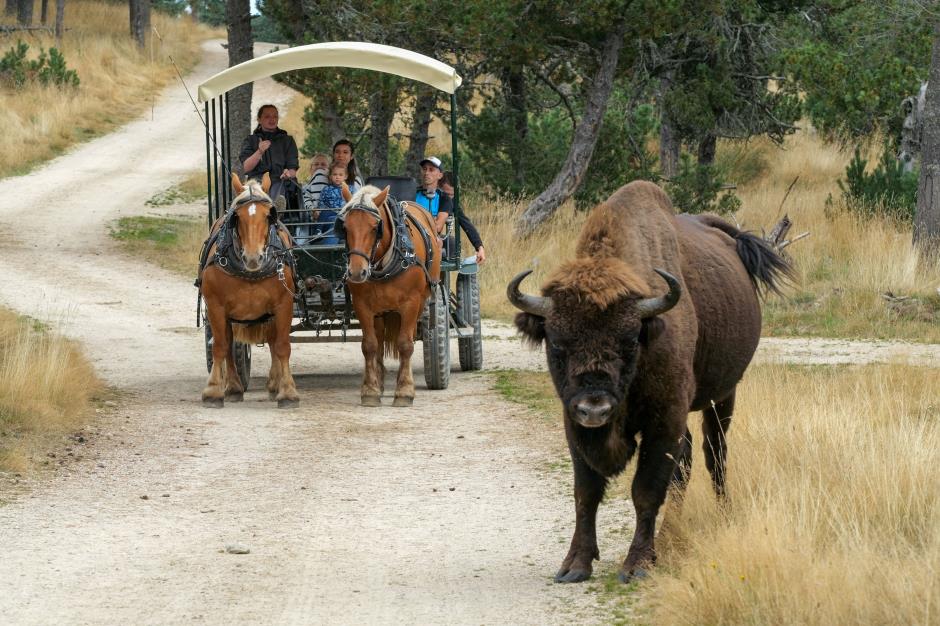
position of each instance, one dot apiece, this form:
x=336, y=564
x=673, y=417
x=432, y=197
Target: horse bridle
x=374, y=212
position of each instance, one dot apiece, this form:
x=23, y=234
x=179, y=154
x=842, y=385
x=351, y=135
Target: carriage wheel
x=468, y=305
x=241, y=355
x=436, y=337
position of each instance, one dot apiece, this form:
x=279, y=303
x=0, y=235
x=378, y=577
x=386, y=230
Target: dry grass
x=118, y=81
x=833, y=516
x=172, y=242
x=46, y=388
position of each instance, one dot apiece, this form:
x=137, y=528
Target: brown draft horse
x=248, y=292
x=388, y=308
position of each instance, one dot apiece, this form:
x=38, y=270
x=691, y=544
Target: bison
x=625, y=362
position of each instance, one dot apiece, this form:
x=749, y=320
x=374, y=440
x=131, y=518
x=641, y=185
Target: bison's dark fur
x=620, y=375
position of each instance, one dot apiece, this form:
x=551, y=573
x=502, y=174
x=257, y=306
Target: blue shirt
x=435, y=205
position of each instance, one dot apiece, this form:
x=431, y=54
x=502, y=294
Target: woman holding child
x=322, y=178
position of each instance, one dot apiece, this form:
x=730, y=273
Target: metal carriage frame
x=323, y=310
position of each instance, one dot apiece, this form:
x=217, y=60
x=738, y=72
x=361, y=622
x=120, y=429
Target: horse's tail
x=253, y=334
x=392, y=328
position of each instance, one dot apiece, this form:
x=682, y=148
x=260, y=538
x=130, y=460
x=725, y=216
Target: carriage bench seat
x=402, y=187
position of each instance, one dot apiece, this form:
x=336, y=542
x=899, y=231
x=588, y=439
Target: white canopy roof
x=366, y=56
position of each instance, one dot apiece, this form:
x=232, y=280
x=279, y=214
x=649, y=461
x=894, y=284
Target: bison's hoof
x=235, y=396
x=638, y=573
x=572, y=576
x=371, y=400
x=213, y=403
x=288, y=403
x=403, y=401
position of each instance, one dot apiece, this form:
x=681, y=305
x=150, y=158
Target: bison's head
x=594, y=319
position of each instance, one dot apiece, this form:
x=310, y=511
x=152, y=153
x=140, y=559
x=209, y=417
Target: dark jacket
x=282, y=155
x=472, y=234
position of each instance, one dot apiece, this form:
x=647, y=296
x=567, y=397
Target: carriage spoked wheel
x=241, y=355
x=468, y=305
x=435, y=334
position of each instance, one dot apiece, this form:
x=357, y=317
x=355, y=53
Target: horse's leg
x=280, y=348
x=214, y=393
x=371, y=392
x=379, y=324
x=405, y=384
x=274, y=374
x=233, y=384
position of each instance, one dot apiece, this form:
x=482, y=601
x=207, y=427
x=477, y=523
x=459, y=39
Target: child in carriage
x=331, y=200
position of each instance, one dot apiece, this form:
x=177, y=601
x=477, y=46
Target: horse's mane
x=252, y=191
x=363, y=196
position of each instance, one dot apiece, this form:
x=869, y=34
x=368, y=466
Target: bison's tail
x=767, y=269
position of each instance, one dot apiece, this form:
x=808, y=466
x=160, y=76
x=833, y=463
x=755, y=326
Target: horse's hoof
x=288, y=403
x=272, y=395
x=403, y=401
x=371, y=400
x=572, y=576
x=638, y=573
x=235, y=396
x=213, y=403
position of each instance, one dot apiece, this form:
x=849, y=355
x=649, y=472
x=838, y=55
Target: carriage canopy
x=353, y=54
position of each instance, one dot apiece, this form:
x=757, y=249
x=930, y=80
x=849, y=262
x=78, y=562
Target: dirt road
x=454, y=511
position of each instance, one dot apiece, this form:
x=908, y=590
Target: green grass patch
x=190, y=189
x=172, y=242
x=530, y=389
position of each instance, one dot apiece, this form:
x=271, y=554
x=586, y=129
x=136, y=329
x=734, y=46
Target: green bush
x=699, y=189
x=48, y=69
x=888, y=191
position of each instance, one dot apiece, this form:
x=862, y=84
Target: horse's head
x=254, y=213
x=361, y=219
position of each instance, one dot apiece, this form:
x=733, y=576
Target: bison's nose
x=593, y=412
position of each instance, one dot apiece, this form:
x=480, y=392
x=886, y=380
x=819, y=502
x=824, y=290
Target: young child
x=311, y=195
x=331, y=199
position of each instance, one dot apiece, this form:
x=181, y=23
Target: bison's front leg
x=655, y=468
x=589, y=489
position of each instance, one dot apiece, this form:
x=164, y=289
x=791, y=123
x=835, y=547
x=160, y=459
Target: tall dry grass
x=832, y=515
x=118, y=81
x=46, y=387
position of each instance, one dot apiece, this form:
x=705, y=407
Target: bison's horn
x=536, y=305
x=650, y=307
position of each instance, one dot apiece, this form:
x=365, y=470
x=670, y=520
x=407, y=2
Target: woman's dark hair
x=352, y=170
x=447, y=179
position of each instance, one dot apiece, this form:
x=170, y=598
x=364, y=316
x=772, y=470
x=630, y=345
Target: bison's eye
x=555, y=351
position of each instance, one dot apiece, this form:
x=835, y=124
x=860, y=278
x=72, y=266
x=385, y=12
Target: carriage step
x=464, y=332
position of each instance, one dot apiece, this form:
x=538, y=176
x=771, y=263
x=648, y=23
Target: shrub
x=699, y=189
x=47, y=69
x=888, y=191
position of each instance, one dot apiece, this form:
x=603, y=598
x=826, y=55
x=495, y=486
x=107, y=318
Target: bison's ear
x=652, y=328
x=532, y=328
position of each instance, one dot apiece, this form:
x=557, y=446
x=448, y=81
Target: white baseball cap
x=436, y=162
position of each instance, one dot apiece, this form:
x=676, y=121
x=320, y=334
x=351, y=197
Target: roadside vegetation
x=117, y=81
x=47, y=389
x=831, y=516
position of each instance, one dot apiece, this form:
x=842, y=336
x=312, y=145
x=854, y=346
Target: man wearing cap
x=437, y=203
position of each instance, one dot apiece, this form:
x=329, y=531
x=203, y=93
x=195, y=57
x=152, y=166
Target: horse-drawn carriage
x=323, y=306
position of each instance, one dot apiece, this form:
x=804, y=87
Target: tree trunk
x=383, y=104
x=240, y=49
x=59, y=21
x=24, y=12
x=44, y=12
x=927, y=217
x=10, y=7
x=329, y=109
x=514, y=81
x=706, y=150
x=585, y=138
x=425, y=101
x=669, y=144
x=140, y=21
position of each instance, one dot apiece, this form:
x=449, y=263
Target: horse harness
x=228, y=257
x=401, y=253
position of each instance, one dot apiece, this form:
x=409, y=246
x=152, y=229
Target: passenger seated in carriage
x=331, y=200
x=431, y=197
x=269, y=149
